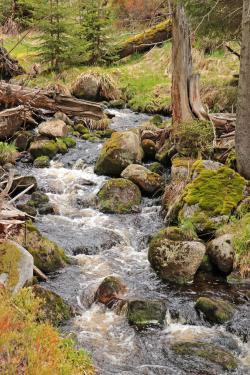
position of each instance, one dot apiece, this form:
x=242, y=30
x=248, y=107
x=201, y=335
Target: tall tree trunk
x=182, y=66
x=242, y=135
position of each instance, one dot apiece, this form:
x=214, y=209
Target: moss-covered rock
x=144, y=314
x=16, y=265
x=119, y=196
x=166, y=152
x=110, y=291
x=80, y=128
x=61, y=146
x=22, y=183
x=175, y=254
x=31, y=211
x=39, y=198
x=104, y=133
x=147, y=181
x=43, y=148
x=215, y=310
x=48, y=256
x=23, y=140
x=41, y=162
x=54, y=308
x=156, y=168
x=122, y=149
x=69, y=142
x=211, y=353
x=211, y=197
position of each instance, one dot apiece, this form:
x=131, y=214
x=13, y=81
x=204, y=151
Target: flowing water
x=102, y=245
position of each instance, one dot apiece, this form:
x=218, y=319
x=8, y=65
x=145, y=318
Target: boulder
x=210, y=353
x=53, y=128
x=53, y=308
x=222, y=254
x=110, y=291
x=41, y=162
x=147, y=181
x=23, y=140
x=47, y=148
x=16, y=265
x=122, y=149
x=119, y=196
x=211, y=197
x=175, y=255
x=144, y=314
x=215, y=310
x=48, y=256
x=86, y=87
x=157, y=168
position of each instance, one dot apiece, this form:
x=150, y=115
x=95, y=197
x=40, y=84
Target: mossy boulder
x=81, y=129
x=143, y=314
x=43, y=148
x=48, y=256
x=40, y=201
x=31, y=211
x=16, y=265
x=110, y=291
x=69, y=142
x=222, y=253
x=41, y=162
x=211, y=353
x=23, y=140
x=210, y=198
x=61, y=146
x=147, y=181
x=119, y=196
x=215, y=310
x=175, y=255
x=166, y=152
x=122, y=149
x=53, y=308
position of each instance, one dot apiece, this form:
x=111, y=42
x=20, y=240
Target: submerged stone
x=144, y=314
x=110, y=291
x=215, y=310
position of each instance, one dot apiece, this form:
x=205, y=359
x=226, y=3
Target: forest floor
x=145, y=80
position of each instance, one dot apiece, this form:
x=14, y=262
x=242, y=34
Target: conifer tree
x=95, y=19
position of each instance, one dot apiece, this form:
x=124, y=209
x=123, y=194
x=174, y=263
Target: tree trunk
x=13, y=95
x=182, y=66
x=242, y=135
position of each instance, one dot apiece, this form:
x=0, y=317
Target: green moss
x=104, y=133
x=41, y=162
x=119, y=196
x=215, y=310
x=54, y=308
x=38, y=198
x=69, y=142
x=217, y=192
x=144, y=314
x=48, y=256
x=9, y=259
x=183, y=162
x=80, y=128
x=91, y=137
x=165, y=153
x=43, y=148
x=61, y=146
x=8, y=153
x=156, y=168
x=207, y=351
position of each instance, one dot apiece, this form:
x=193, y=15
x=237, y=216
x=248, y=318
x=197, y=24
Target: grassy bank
x=145, y=80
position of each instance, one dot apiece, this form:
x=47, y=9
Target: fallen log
x=14, y=95
x=9, y=67
x=11, y=120
x=143, y=42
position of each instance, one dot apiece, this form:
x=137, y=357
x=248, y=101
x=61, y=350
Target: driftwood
x=9, y=67
x=14, y=95
x=143, y=42
x=11, y=120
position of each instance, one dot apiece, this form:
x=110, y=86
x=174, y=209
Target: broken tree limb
x=143, y=42
x=13, y=95
x=11, y=120
x=39, y=273
x=9, y=67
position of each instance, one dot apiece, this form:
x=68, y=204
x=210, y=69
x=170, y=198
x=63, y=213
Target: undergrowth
x=33, y=348
x=8, y=153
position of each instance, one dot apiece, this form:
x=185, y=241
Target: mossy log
x=143, y=42
x=13, y=95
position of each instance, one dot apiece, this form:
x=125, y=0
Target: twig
x=21, y=194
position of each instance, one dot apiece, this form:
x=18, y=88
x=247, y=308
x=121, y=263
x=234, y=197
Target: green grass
x=8, y=153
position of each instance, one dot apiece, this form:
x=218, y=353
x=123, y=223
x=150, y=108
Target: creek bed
x=103, y=245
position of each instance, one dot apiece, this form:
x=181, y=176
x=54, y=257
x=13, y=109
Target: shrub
x=8, y=153
x=32, y=347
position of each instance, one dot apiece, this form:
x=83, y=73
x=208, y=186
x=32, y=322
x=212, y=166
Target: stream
x=102, y=245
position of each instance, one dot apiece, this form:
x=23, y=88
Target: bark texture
x=242, y=135
x=182, y=66
x=13, y=95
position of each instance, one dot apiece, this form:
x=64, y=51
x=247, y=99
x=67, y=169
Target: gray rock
x=53, y=128
x=221, y=252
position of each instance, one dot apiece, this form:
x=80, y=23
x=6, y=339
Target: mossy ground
x=9, y=259
x=146, y=79
x=32, y=347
